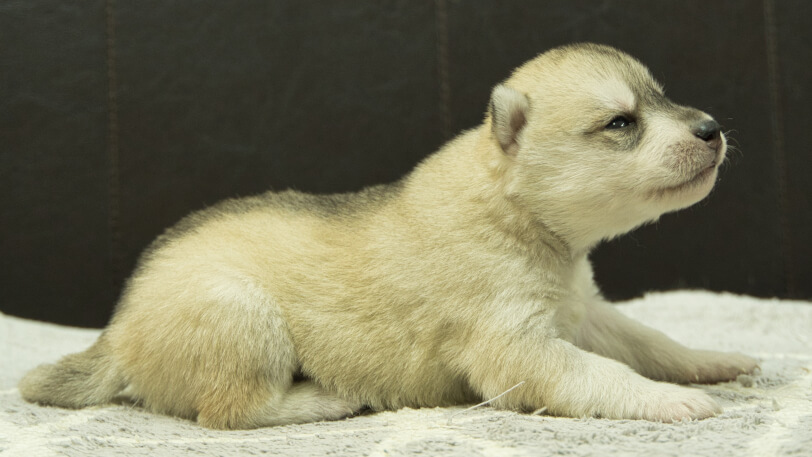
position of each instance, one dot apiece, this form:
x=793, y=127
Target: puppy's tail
x=76, y=381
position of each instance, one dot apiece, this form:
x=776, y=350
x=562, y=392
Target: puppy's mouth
x=700, y=178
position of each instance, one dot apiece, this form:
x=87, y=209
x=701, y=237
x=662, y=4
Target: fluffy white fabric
x=773, y=416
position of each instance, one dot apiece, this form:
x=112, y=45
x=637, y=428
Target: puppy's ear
x=508, y=110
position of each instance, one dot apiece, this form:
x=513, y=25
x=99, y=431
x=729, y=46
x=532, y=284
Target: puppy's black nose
x=708, y=130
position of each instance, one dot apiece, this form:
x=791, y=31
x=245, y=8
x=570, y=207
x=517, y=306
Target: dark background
x=118, y=118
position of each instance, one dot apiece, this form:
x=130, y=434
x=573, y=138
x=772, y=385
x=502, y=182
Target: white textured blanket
x=772, y=415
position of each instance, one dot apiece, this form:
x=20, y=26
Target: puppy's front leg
x=568, y=381
x=606, y=331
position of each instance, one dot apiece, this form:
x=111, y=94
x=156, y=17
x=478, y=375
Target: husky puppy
x=466, y=277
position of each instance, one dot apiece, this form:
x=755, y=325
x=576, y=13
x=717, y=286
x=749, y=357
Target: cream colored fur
x=462, y=280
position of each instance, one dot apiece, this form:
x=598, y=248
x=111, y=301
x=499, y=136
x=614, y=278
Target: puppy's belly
x=382, y=369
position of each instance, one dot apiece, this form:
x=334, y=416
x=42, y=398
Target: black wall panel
x=54, y=244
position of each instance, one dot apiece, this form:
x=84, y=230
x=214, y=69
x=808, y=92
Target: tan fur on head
x=465, y=278
x=589, y=183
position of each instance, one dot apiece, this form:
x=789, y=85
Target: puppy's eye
x=619, y=122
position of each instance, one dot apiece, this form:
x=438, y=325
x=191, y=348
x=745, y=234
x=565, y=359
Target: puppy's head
x=592, y=146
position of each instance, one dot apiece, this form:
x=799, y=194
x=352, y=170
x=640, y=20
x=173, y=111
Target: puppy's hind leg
x=263, y=392
x=224, y=354
x=256, y=389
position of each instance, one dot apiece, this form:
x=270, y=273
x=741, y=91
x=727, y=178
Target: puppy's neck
x=466, y=181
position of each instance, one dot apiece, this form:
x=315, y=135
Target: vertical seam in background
x=776, y=119
x=113, y=176
x=441, y=28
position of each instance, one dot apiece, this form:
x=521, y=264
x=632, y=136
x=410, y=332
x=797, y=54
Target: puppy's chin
x=690, y=191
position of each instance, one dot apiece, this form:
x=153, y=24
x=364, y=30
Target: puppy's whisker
x=486, y=402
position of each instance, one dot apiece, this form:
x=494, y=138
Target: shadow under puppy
x=465, y=278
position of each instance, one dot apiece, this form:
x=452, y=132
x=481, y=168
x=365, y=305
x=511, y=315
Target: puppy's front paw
x=712, y=367
x=670, y=403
